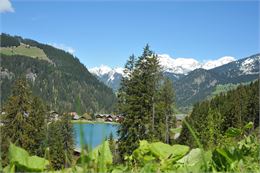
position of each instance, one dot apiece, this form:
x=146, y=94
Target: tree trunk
x=167, y=129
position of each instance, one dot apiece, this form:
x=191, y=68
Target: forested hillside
x=60, y=80
x=211, y=119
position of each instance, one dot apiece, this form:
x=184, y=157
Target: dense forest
x=61, y=81
x=210, y=119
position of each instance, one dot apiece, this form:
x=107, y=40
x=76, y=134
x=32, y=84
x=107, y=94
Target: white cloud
x=63, y=47
x=6, y=6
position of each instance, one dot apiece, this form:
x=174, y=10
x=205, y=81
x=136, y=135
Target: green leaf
x=9, y=169
x=37, y=163
x=161, y=150
x=179, y=150
x=193, y=161
x=249, y=125
x=149, y=167
x=233, y=132
x=103, y=153
x=120, y=169
x=20, y=157
x=193, y=157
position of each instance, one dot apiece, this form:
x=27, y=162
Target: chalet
x=109, y=117
x=54, y=116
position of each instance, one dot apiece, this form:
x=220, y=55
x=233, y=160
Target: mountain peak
x=103, y=69
x=178, y=65
x=216, y=63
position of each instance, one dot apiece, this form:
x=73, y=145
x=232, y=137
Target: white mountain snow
x=185, y=65
x=178, y=65
x=99, y=71
x=109, y=72
x=216, y=63
x=169, y=64
x=247, y=66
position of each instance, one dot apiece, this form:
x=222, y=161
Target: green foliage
x=23, y=122
x=225, y=114
x=241, y=156
x=97, y=160
x=60, y=142
x=20, y=161
x=141, y=98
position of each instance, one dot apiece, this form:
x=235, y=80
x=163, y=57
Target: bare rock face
x=5, y=73
x=31, y=76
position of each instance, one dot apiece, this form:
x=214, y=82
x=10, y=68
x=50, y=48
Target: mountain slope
x=174, y=68
x=110, y=77
x=200, y=83
x=193, y=81
x=62, y=81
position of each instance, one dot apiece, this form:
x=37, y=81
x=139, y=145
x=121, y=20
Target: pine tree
x=16, y=123
x=60, y=142
x=38, y=120
x=167, y=97
x=138, y=100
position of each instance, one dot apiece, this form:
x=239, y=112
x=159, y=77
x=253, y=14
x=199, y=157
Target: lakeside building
x=109, y=118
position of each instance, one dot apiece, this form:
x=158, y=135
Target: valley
x=158, y=114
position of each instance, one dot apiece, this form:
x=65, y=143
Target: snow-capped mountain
x=110, y=76
x=178, y=65
x=193, y=81
x=219, y=62
x=174, y=68
x=185, y=65
x=200, y=83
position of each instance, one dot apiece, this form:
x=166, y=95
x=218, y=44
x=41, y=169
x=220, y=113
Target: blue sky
x=107, y=32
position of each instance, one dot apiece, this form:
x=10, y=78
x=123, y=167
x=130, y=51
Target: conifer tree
x=60, y=142
x=167, y=97
x=16, y=124
x=138, y=101
x=38, y=120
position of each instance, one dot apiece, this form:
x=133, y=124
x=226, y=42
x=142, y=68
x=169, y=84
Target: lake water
x=94, y=133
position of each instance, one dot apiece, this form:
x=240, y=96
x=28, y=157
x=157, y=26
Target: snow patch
x=219, y=62
x=247, y=66
x=178, y=65
x=99, y=71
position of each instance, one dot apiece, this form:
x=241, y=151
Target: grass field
x=25, y=50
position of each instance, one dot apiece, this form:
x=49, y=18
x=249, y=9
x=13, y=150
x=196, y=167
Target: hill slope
x=200, y=84
x=59, y=79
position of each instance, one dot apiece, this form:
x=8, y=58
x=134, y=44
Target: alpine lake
x=93, y=133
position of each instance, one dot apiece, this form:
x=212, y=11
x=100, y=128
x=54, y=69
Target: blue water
x=94, y=134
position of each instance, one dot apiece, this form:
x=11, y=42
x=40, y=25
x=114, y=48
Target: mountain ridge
x=64, y=82
x=198, y=84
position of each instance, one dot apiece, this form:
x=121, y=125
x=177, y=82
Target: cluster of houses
x=97, y=117
x=109, y=118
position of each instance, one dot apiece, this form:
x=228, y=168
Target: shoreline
x=93, y=122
